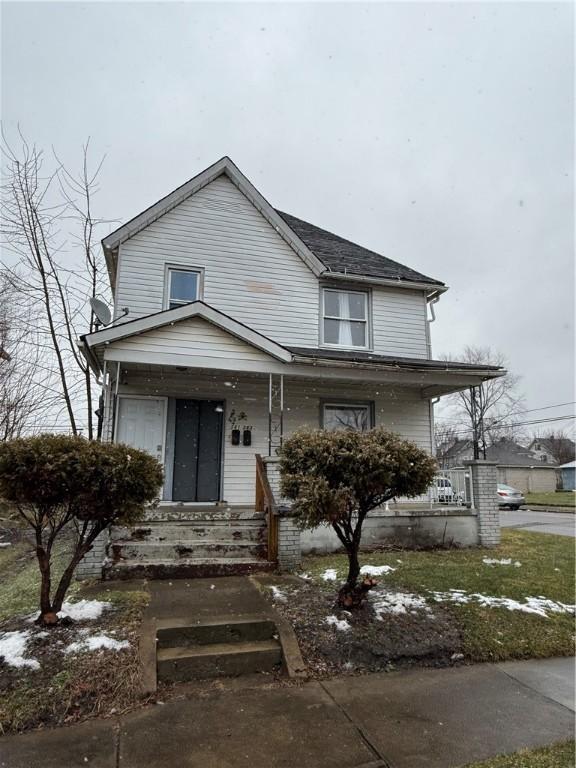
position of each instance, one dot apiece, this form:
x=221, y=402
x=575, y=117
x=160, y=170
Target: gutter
x=434, y=288
x=89, y=355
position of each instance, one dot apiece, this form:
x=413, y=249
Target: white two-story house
x=236, y=323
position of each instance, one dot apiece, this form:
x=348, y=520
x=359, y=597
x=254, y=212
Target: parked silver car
x=509, y=497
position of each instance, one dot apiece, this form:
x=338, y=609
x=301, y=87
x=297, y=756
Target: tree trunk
x=66, y=578
x=46, y=610
x=353, y=566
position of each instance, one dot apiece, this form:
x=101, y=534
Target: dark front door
x=197, y=450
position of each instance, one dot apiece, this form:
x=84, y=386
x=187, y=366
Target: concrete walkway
x=433, y=718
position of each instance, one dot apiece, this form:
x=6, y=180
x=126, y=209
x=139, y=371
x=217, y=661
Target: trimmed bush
x=69, y=484
x=337, y=478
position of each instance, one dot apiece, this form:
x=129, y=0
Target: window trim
x=347, y=403
x=368, y=320
x=168, y=269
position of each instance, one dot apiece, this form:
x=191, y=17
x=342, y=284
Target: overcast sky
x=440, y=135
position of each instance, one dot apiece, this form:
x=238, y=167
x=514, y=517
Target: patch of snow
x=504, y=561
x=95, y=643
x=12, y=647
x=397, y=602
x=330, y=574
x=5, y=543
x=340, y=624
x=84, y=609
x=42, y=634
x=376, y=570
x=305, y=576
x=541, y=606
x=277, y=594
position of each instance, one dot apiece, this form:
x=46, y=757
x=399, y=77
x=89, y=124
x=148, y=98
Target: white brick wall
x=484, y=487
x=289, y=552
x=90, y=567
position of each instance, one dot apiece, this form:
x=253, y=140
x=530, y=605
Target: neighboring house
x=568, y=472
x=517, y=466
x=246, y=323
x=553, y=450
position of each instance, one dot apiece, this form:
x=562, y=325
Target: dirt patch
x=336, y=642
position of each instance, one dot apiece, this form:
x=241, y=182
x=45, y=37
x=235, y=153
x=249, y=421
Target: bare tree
x=22, y=398
x=49, y=226
x=487, y=412
x=445, y=435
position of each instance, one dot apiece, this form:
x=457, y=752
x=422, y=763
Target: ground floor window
x=355, y=416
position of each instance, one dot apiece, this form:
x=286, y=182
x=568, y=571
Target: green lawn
x=488, y=633
x=556, y=499
x=19, y=579
x=557, y=756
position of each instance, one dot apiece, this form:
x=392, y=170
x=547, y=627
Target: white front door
x=141, y=424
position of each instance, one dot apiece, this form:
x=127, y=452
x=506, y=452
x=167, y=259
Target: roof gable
x=226, y=167
x=197, y=310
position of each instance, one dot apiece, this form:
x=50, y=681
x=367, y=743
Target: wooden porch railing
x=265, y=503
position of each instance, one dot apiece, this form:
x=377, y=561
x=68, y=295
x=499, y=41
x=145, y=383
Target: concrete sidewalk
x=434, y=718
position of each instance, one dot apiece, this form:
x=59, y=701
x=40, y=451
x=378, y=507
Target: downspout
x=429, y=321
x=431, y=404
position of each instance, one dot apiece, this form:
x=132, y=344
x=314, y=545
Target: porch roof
x=198, y=336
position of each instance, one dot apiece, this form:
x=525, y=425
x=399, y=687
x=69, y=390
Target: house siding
x=188, y=338
x=401, y=410
x=251, y=274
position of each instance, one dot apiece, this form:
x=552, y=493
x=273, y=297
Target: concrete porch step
x=191, y=530
x=180, y=664
x=183, y=632
x=186, y=569
x=183, y=549
x=193, y=512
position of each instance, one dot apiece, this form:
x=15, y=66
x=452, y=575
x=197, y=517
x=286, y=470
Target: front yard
x=557, y=499
x=76, y=670
x=437, y=607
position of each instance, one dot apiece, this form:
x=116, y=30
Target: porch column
x=484, y=481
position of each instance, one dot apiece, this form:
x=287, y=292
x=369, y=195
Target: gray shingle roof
x=340, y=255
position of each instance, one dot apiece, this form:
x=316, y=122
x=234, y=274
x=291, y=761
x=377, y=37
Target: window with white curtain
x=345, y=321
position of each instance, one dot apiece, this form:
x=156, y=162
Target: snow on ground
x=84, y=609
x=376, y=570
x=277, y=594
x=95, y=643
x=540, y=605
x=330, y=574
x=504, y=561
x=340, y=624
x=397, y=602
x=5, y=543
x=12, y=647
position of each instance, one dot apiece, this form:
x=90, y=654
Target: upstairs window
x=345, y=318
x=183, y=286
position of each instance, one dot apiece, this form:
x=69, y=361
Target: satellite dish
x=101, y=311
